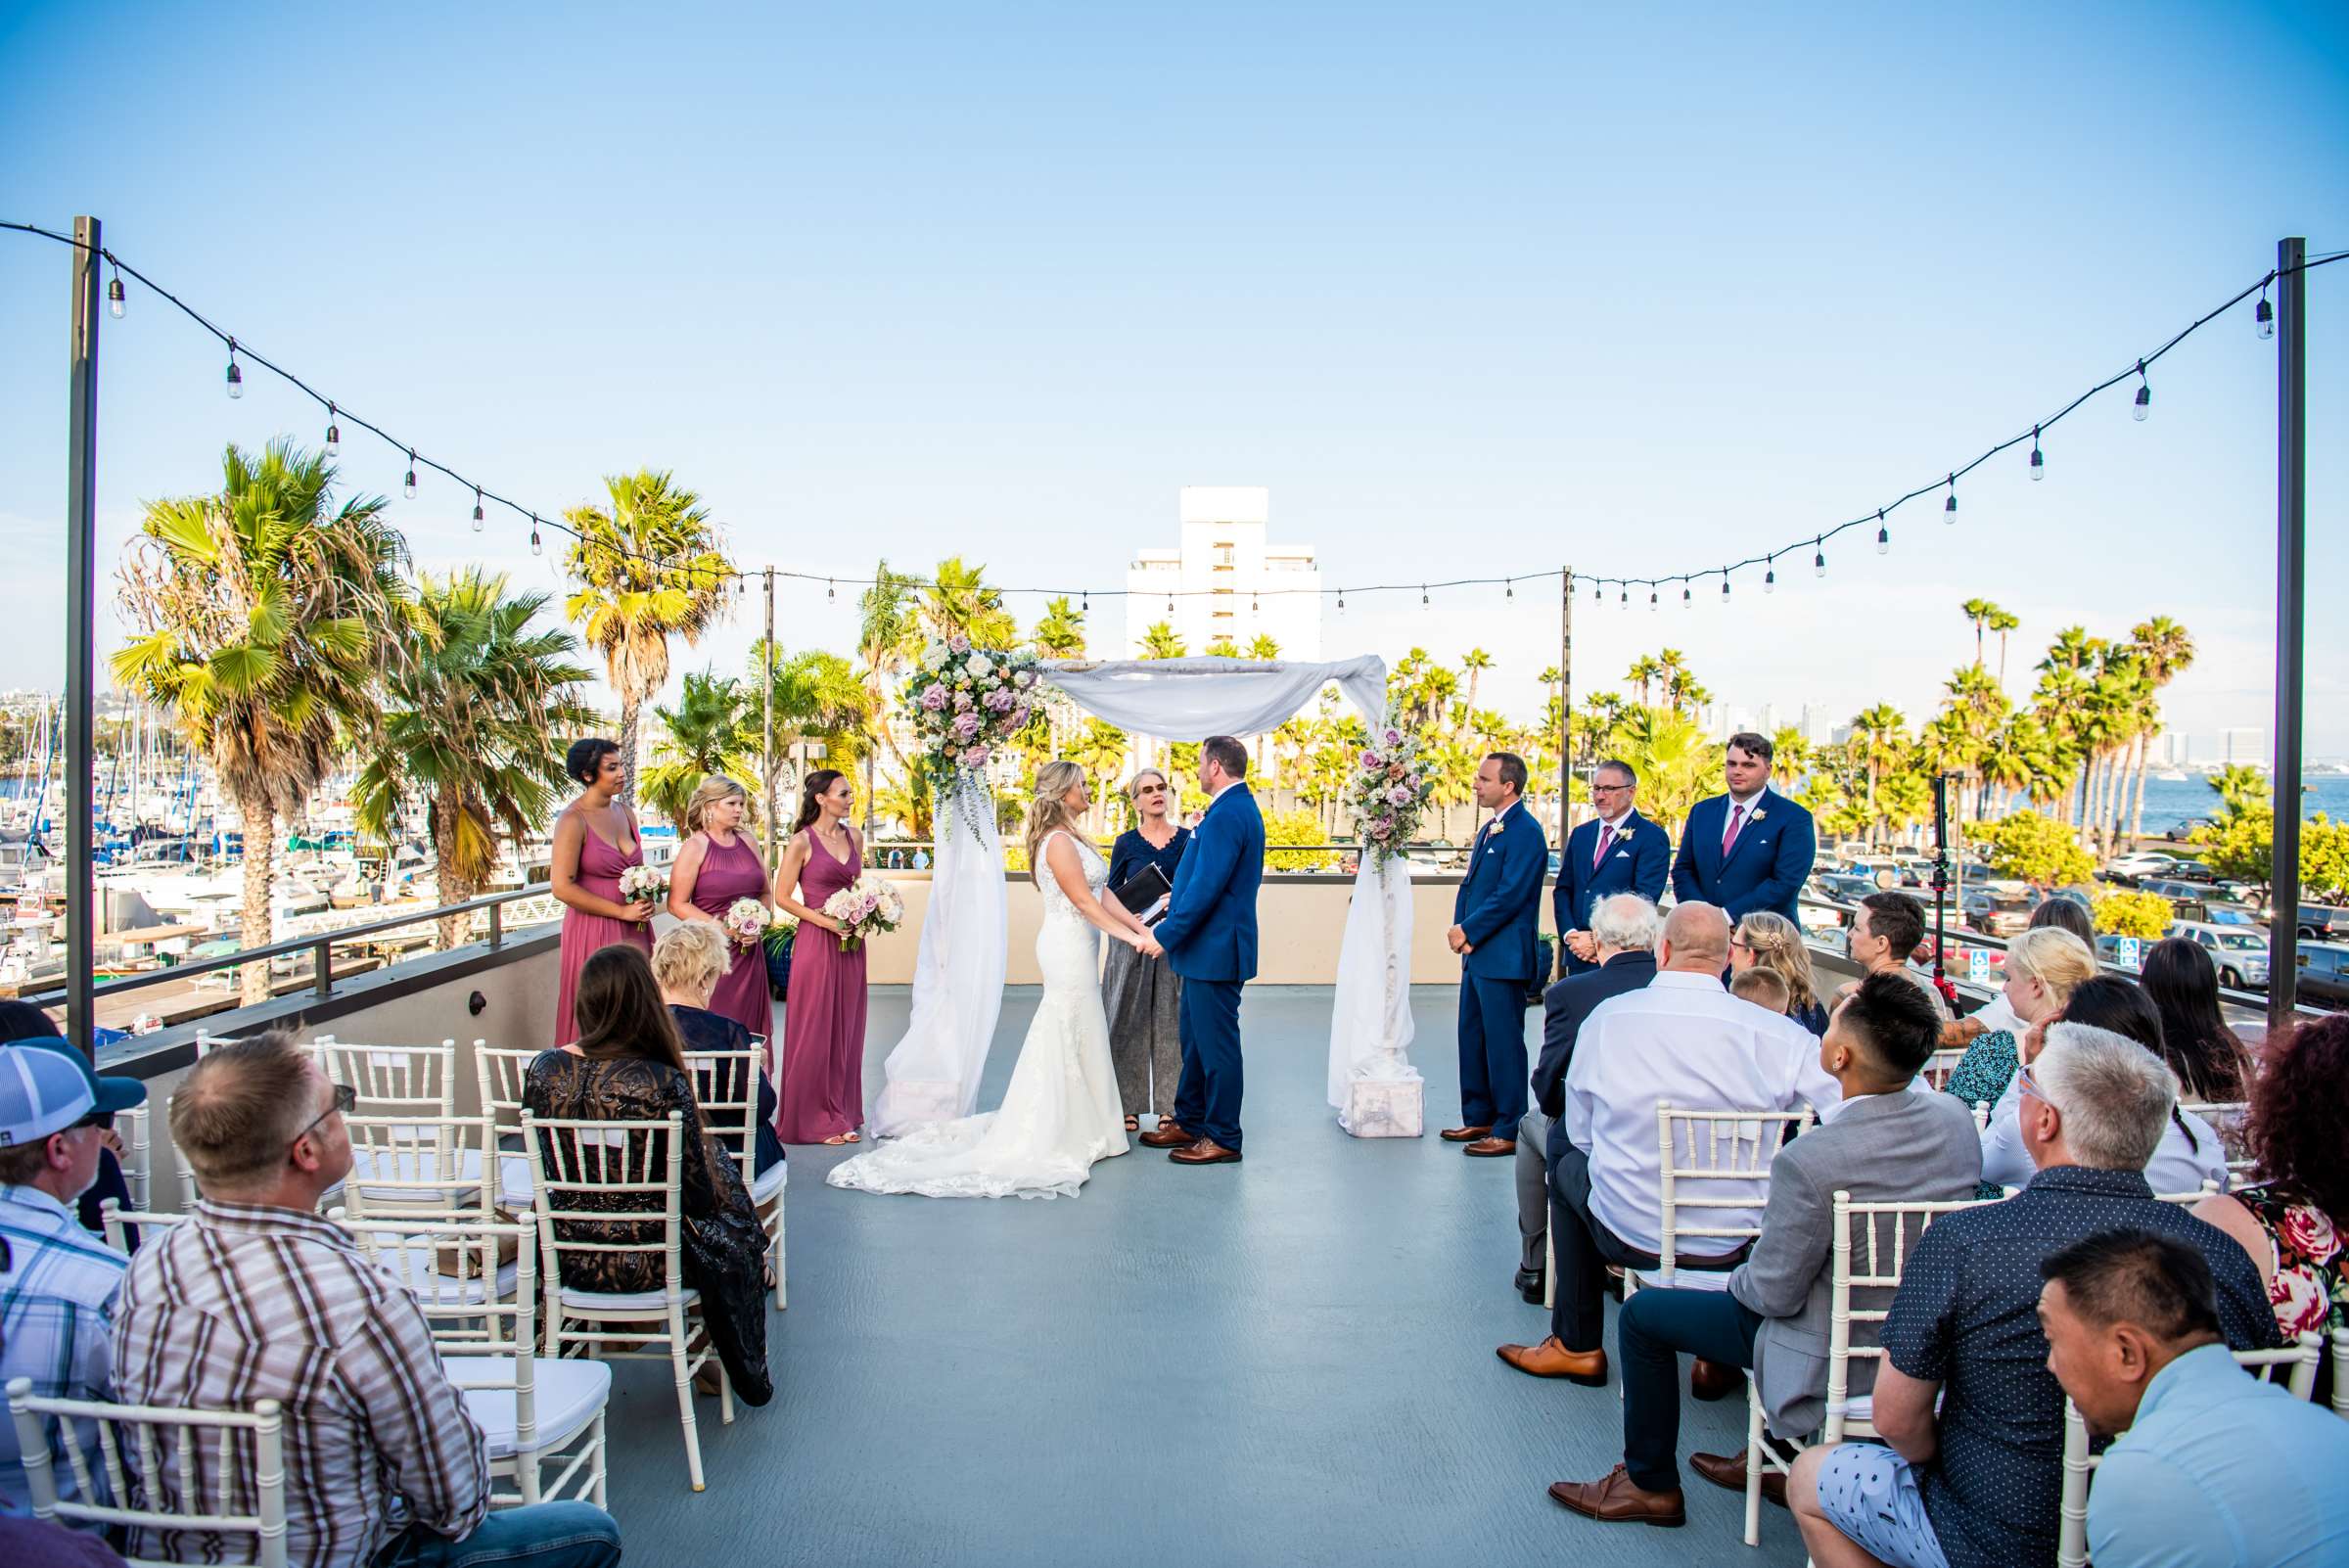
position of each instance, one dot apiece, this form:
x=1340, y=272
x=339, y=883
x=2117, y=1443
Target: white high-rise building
x=1225, y=580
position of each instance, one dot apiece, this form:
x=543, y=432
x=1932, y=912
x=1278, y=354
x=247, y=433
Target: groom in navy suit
x=1747, y=850
x=1208, y=933
x=1619, y=852
x=1495, y=916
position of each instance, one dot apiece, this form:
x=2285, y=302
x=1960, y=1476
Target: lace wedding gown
x=1061, y=1112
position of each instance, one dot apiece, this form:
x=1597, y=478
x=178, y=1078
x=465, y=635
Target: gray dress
x=1141, y=995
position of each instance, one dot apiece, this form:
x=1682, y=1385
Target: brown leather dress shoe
x=1552, y=1359
x=1464, y=1134
x=1206, y=1151
x=1490, y=1149
x=1166, y=1135
x=1728, y=1471
x=1618, y=1499
x=1710, y=1381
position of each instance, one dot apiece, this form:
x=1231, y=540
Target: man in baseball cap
x=58, y=1282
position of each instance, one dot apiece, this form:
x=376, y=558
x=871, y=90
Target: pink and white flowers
x=965, y=704
x=644, y=884
x=1387, y=790
x=745, y=921
x=865, y=905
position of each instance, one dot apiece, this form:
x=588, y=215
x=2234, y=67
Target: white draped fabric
x=932, y=1074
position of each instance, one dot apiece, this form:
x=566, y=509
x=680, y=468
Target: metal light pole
x=2291, y=560
x=81, y=611
x=768, y=724
x=1565, y=707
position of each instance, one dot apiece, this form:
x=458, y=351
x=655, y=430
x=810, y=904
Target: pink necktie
x=1607, y=837
x=1736, y=817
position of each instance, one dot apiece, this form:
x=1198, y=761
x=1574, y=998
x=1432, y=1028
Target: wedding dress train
x=1061, y=1112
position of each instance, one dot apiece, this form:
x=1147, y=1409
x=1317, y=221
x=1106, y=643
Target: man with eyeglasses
x=58, y=1282
x=1617, y=852
x=257, y=1297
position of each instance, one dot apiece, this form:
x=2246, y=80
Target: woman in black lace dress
x=627, y=1066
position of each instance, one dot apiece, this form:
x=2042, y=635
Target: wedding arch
x=932, y=1074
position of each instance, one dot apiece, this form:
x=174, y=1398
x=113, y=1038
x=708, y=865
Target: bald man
x=1682, y=1038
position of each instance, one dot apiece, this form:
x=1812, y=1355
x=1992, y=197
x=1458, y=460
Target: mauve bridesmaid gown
x=729, y=873
x=600, y=866
x=820, y=1087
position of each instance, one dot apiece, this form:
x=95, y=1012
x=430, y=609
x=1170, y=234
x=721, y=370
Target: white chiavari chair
x=406, y=1167
x=500, y=1073
x=595, y=1178
x=725, y=1086
x=135, y=1129
x=164, y=1469
x=1939, y=1066
x=2341, y=1373
x=2298, y=1363
x=1728, y=1151
x=118, y=1221
x=2225, y=1118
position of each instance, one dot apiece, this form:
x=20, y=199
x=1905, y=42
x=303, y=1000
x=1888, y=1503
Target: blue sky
x=1472, y=288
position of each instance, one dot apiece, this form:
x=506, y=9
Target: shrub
x=2134, y=914
x=1295, y=827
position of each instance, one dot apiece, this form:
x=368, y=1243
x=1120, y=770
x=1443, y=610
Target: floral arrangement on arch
x=1388, y=788
x=966, y=703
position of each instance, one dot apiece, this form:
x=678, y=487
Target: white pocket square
x=1622, y=855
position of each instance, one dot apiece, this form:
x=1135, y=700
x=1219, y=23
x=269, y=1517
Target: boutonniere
x=1623, y=836
x=1758, y=815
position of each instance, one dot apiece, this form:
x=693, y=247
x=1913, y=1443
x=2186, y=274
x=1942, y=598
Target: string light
x=2039, y=464
x=1341, y=601
x=1725, y=587
x=1818, y=562
x=831, y=595
x=1423, y=593
x=477, y=520
x=2145, y=394
x=1948, y=508
x=334, y=434
x=114, y=296
x=536, y=547
x=1883, y=536
x=1651, y=599
x=1627, y=598
x=1770, y=577
x=1251, y=605
x=407, y=486
x=1084, y=603
x=1598, y=593
x=1508, y=589
x=2264, y=318
x=236, y=377
x=1686, y=603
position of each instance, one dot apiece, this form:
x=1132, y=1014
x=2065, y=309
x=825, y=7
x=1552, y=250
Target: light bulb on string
x=2264, y=318
x=1686, y=603
x=1883, y=535
x=407, y=486
x=1651, y=598
x=2038, y=463
x=114, y=296
x=2145, y=394
x=1422, y=593
x=334, y=433
x=477, y=520
x=1084, y=604
x=831, y=594
x=1598, y=593
x=1169, y=604
x=1341, y=601
x=1818, y=561
x=1948, y=508
x=1725, y=587
x=1627, y=597
x=236, y=377
x=1508, y=587
x=536, y=548
x=1251, y=605
x=1770, y=577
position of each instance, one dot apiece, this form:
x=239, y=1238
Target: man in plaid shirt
x=255, y=1296
x=57, y=1280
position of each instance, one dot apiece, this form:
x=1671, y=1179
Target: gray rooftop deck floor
x=1288, y=1361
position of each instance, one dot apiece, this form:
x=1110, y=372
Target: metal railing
x=319, y=946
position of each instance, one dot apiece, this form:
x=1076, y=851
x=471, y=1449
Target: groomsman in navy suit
x=1496, y=915
x=1622, y=852
x=1750, y=848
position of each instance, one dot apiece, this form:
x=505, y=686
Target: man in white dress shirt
x=1681, y=1039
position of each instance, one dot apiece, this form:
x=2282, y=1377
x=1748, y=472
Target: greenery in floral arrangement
x=965, y=703
x=1389, y=787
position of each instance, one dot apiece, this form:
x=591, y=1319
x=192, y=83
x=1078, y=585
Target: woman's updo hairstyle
x=585, y=758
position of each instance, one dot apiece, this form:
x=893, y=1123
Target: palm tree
x=1263, y=645
x=1682, y=693
x=2167, y=650
x=959, y=600
x=2002, y=623
x=262, y=618
x=1881, y=735
x=1789, y=756
x=469, y=723
x=711, y=730
x=1645, y=673
x=819, y=699
x=1162, y=643
x=1475, y=662
x=649, y=568
x=1676, y=762
x=1980, y=611
x=1060, y=632
x=888, y=639
x=1221, y=646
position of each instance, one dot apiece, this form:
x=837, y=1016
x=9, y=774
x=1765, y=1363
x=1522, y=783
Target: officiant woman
x=1141, y=995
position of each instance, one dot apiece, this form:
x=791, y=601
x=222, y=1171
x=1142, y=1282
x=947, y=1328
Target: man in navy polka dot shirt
x=1978, y=1485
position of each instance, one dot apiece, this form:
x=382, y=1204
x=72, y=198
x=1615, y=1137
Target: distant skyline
x=1473, y=290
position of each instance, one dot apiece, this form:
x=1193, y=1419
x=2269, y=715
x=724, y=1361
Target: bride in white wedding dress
x=1061, y=1111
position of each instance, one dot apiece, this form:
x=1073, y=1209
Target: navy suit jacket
x=1209, y=929
x=1767, y=866
x=1638, y=862
x=1564, y=1006
x=1500, y=903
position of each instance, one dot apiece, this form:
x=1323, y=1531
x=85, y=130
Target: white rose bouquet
x=745, y=921
x=1387, y=788
x=965, y=703
x=865, y=905
x=644, y=884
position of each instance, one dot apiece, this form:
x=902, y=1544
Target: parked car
x=2193, y=872
x=2185, y=898
x=1845, y=887
x=2324, y=974
x=2234, y=914
x=2179, y=832
x=2141, y=864
x=2241, y=955
x=2000, y=912
x=2318, y=923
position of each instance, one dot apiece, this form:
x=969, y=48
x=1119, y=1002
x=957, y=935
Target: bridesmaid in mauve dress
x=716, y=864
x=595, y=840
x=821, y=1083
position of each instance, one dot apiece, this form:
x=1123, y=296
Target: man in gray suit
x=1882, y=1144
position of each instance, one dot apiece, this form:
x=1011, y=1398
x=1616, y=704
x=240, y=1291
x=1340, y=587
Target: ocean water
x=2167, y=802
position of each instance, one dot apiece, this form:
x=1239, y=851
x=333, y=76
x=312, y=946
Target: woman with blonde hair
x=1766, y=940
x=717, y=865
x=1060, y=1112
x=2044, y=965
x=689, y=962
x=1142, y=996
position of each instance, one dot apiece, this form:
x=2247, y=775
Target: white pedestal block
x=1383, y=1108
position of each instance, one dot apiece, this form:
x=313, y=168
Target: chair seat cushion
x=770, y=1181
x=566, y=1394
x=436, y=1289
x=514, y=1180
x=623, y=1301
x=423, y=1164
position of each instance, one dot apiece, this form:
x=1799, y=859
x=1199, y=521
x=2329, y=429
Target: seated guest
x=2043, y=966
x=689, y=962
x=2292, y=1220
x=1969, y=1471
x=57, y=1280
x=2189, y=1153
x=628, y=1066
x=2063, y=913
x=1763, y=988
x=257, y=1297
x=2183, y=981
x=22, y=1020
x=2213, y=1468
x=1885, y=933
x=1683, y=1038
x=1622, y=931
x=1765, y=939
x=1879, y=1143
